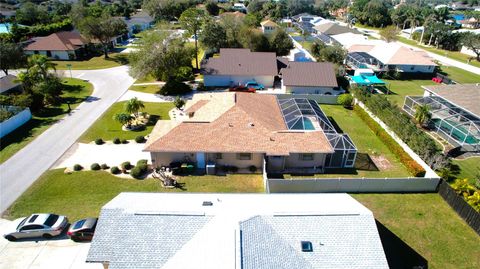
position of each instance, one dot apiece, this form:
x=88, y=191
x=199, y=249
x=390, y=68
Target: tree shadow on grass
x=24, y=131
x=399, y=254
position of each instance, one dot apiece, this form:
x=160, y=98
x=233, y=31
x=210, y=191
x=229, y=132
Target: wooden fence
x=463, y=209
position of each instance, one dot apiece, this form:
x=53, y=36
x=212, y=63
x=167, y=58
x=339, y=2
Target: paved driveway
x=22, y=169
x=57, y=253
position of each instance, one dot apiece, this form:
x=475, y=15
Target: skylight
x=307, y=246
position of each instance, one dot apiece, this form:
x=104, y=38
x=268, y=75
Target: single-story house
x=61, y=46
x=245, y=130
x=238, y=66
x=268, y=26
x=309, y=78
x=138, y=22
x=9, y=83
x=455, y=112
x=396, y=57
x=227, y=231
x=472, y=23
x=332, y=28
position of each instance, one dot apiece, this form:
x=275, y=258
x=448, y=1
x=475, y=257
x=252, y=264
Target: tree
x=192, y=20
x=167, y=9
x=346, y=100
x=11, y=56
x=334, y=54
x=212, y=8
x=281, y=42
x=294, y=7
x=213, y=36
x=422, y=114
x=178, y=102
x=40, y=65
x=102, y=29
x=232, y=26
x=372, y=13
x=133, y=106
x=254, y=39
x=389, y=33
x=123, y=118
x=472, y=42
x=30, y=14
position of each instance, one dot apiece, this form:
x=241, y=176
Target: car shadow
x=399, y=254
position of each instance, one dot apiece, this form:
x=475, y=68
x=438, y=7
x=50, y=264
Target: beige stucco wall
x=165, y=158
x=293, y=161
x=231, y=159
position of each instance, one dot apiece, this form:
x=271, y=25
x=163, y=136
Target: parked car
x=83, y=229
x=36, y=225
x=254, y=85
x=242, y=89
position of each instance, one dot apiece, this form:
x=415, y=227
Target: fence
x=463, y=209
x=360, y=185
x=15, y=121
x=319, y=98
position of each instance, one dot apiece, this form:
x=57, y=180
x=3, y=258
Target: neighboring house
x=9, y=83
x=244, y=130
x=309, y=78
x=268, y=27
x=60, y=46
x=332, y=28
x=455, y=112
x=138, y=22
x=471, y=23
x=238, y=66
x=394, y=57
x=227, y=231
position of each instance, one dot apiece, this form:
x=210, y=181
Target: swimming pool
x=304, y=124
x=5, y=28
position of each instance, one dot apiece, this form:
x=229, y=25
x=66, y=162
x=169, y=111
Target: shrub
x=126, y=166
x=233, y=169
x=140, y=139
x=77, y=167
x=104, y=166
x=252, y=168
x=117, y=140
x=99, y=141
x=346, y=100
x=95, y=166
x=143, y=161
x=179, y=102
x=173, y=87
x=114, y=170
x=124, y=141
x=136, y=172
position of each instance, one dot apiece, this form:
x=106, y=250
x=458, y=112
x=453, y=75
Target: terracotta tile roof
x=196, y=106
x=61, y=41
x=242, y=62
x=254, y=124
x=309, y=74
x=466, y=96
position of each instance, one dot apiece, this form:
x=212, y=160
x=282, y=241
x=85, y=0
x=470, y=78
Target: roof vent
x=190, y=114
x=230, y=124
x=307, y=246
x=207, y=203
x=251, y=124
x=272, y=139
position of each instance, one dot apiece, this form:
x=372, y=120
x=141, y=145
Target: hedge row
x=411, y=165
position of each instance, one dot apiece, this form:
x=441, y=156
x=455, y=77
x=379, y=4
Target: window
x=32, y=227
x=51, y=220
x=244, y=156
x=218, y=156
x=306, y=157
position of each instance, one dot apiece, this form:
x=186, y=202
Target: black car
x=82, y=230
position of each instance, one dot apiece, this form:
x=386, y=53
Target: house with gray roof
x=309, y=78
x=239, y=66
x=9, y=83
x=210, y=230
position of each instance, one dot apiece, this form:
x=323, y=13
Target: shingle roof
x=61, y=41
x=334, y=29
x=466, y=96
x=8, y=82
x=253, y=123
x=309, y=74
x=174, y=230
x=268, y=23
x=241, y=62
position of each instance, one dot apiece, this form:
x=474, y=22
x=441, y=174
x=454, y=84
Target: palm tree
x=133, y=106
x=429, y=19
x=413, y=19
x=123, y=118
x=40, y=64
x=422, y=114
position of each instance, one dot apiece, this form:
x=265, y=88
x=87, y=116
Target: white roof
x=349, y=39
x=173, y=230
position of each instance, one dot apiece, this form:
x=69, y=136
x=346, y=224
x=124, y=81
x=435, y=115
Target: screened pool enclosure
x=306, y=115
x=459, y=127
x=362, y=60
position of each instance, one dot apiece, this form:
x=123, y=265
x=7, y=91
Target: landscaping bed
x=82, y=194
x=107, y=128
x=74, y=92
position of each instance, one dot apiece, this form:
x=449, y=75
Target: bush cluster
x=117, y=140
x=174, y=87
x=104, y=166
x=140, y=169
x=77, y=167
x=95, y=166
x=468, y=191
x=99, y=141
x=126, y=166
x=412, y=166
x=228, y=168
x=114, y=170
x=140, y=139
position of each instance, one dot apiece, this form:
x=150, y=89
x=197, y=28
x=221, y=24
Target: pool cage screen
x=457, y=126
x=361, y=60
x=304, y=114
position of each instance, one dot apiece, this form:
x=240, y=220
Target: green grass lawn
x=97, y=62
x=459, y=75
x=145, y=88
x=468, y=168
x=82, y=194
x=363, y=26
x=427, y=224
x=146, y=79
x=367, y=143
x=108, y=129
x=75, y=92
x=401, y=88
x=455, y=55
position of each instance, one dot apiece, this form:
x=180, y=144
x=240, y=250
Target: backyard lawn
x=82, y=194
x=401, y=88
x=459, y=75
x=367, y=143
x=108, y=129
x=74, y=92
x=427, y=224
x=468, y=168
x=97, y=62
x=145, y=88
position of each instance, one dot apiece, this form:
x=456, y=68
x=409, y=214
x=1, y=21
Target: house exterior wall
x=227, y=81
x=307, y=90
x=165, y=158
x=416, y=68
x=55, y=54
x=232, y=159
x=268, y=29
x=294, y=161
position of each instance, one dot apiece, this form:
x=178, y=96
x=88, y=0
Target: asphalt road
x=22, y=169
